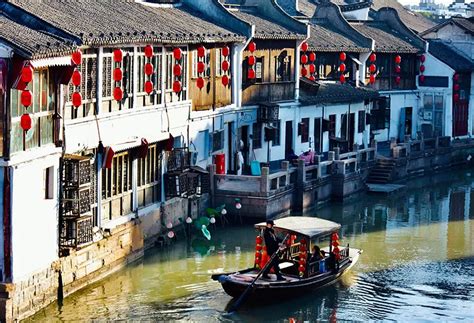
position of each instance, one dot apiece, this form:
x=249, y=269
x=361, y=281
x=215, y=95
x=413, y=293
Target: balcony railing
x=268, y=92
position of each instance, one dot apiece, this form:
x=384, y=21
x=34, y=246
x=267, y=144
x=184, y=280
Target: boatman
x=272, y=243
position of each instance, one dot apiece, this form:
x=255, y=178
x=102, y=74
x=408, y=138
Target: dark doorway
x=317, y=135
x=350, y=136
x=244, y=136
x=460, y=118
x=289, y=138
x=230, y=145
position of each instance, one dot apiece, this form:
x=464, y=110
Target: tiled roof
x=324, y=39
x=415, y=21
x=30, y=43
x=321, y=92
x=464, y=23
x=386, y=39
x=264, y=27
x=450, y=56
x=126, y=21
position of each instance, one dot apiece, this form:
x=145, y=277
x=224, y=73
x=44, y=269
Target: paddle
x=247, y=291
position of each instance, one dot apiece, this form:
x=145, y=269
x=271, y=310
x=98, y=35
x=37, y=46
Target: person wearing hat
x=272, y=244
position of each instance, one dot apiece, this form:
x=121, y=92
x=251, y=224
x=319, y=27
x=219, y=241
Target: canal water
x=417, y=264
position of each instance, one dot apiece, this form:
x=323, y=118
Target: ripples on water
x=418, y=264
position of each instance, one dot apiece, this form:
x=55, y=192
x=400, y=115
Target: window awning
x=53, y=61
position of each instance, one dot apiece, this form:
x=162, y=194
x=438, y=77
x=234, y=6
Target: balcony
x=268, y=92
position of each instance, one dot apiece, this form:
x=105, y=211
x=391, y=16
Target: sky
x=413, y=2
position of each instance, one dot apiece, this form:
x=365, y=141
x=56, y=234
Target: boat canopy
x=304, y=225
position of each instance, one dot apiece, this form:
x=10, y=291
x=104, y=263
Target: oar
x=249, y=289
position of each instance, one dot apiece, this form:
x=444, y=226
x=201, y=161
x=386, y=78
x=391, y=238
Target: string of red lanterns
x=225, y=66
x=118, y=75
x=201, y=66
x=372, y=68
x=252, y=47
x=76, y=79
x=421, y=78
x=258, y=251
x=342, y=67
x=177, y=70
x=148, y=69
x=398, y=70
x=312, y=66
x=456, y=87
x=304, y=59
x=335, y=244
x=303, y=255
x=26, y=98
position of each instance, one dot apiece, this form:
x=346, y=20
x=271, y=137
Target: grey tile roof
x=450, y=56
x=30, y=43
x=386, y=39
x=324, y=93
x=324, y=39
x=415, y=21
x=125, y=21
x=465, y=23
x=264, y=27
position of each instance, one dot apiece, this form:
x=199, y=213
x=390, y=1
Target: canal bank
x=418, y=262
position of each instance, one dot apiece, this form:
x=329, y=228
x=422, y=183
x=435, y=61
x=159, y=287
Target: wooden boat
x=299, y=272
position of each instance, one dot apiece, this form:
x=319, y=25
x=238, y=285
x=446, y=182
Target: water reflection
x=418, y=263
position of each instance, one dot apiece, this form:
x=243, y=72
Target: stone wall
x=120, y=246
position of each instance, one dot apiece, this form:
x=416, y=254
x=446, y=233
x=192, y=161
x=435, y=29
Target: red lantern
x=342, y=79
x=225, y=66
x=342, y=56
x=312, y=56
x=251, y=60
x=312, y=78
x=456, y=77
x=335, y=243
x=372, y=68
x=118, y=93
x=201, y=51
x=259, y=240
x=372, y=79
x=26, y=98
x=397, y=80
x=76, y=57
x=312, y=68
x=372, y=57
x=200, y=82
x=397, y=69
x=303, y=241
x=25, y=122
x=422, y=68
x=456, y=97
x=118, y=74
x=148, y=69
x=257, y=254
x=302, y=262
x=304, y=46
x=225, y=51
x=251, y=74
x=176, y=86
x=422, y=58
x=148, y=87
x=177, y=53
x=252, y=47
x=457, y=87
x=148, y=51
x=225, y=80
x=27, y=74
x=76, y=78
x=335, y=236
x=304, y=71
x=201, y=67
x=118, y=55
x=76, y=99
x=304, y=59
x=258, y=247
x=177, y=70
x=336, y=250
x=398, y=59
x=421, y=79
x=301, y=269
x=342, y=68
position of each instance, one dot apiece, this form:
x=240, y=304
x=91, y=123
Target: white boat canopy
x=304, y=225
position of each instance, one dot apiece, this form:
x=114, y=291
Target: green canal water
x=418, y=264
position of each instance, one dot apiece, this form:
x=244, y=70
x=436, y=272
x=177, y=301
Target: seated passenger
x=316, y=254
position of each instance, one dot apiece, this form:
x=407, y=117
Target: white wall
x=34, y=218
